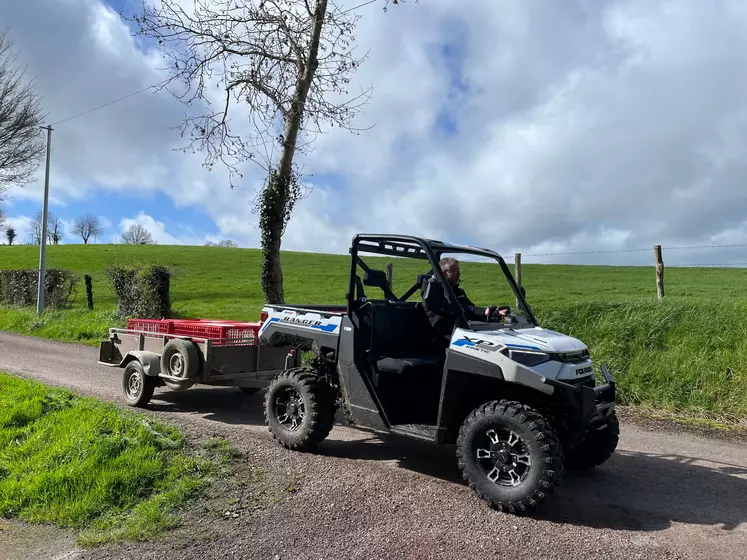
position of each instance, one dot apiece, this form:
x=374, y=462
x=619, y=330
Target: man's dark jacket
x=436, y=308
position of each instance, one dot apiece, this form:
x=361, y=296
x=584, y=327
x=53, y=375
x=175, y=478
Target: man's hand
x=502, y=312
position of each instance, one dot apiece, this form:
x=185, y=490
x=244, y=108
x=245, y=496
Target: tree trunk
x=275, y=201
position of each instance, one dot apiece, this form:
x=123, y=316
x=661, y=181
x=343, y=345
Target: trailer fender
x=150, y=361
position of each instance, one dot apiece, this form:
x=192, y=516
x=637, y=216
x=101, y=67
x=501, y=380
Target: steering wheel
x=493, y=310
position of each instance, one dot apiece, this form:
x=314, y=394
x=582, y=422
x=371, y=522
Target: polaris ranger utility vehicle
x=519, y=401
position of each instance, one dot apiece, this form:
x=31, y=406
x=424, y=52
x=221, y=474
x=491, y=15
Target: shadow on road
x=221, y=404
x=648, y=491
x=632, y=491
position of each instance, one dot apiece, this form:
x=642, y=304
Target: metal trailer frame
x=222, y=362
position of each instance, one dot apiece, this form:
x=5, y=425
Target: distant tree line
x=86, y=227
x=222, y=243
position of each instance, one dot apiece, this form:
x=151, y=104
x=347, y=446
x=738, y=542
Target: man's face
x=453, y=274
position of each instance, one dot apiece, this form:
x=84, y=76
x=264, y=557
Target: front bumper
x=593, y=405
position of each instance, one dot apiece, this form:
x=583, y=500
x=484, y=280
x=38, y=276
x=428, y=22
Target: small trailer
x=181, y=353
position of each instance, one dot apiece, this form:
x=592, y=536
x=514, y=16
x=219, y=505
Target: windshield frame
x=432, y=251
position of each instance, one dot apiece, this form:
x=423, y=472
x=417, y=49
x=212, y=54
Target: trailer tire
x=180, y=359
x=136, y=386
x=597, y=448
x=529, y=459
x=299, y=409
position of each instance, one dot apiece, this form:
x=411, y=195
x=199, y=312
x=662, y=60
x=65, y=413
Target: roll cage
x=423, y=249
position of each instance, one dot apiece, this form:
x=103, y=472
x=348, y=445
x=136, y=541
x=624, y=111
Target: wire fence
x=646, y=256
x=649, y=257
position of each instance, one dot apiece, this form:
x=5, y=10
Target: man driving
x=441, y=318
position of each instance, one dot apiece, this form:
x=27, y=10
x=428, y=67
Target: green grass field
x=80, y=463
x=687, y=354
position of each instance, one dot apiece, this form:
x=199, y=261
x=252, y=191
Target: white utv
x=519, y=401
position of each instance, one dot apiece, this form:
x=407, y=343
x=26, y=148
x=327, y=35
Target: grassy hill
x=686, y=354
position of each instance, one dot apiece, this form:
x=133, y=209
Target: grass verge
x=67, y=325
x=83, y=464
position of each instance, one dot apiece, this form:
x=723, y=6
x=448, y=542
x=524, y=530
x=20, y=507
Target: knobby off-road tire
x=136, y=386
x=299, y=409
x=596, y=448
x=510, y=456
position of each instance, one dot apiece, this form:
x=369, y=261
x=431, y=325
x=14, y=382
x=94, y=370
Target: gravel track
x=665, y=494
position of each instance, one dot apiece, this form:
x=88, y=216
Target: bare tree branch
x=137, y=235
x=87, y=226
x=21, y=142
x=285, y=66
x=56, y=231
x=36, y=227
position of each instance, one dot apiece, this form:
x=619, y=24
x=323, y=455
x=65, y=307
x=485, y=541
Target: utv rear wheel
x=597, y=447
x=510, y=456
x=299, y=409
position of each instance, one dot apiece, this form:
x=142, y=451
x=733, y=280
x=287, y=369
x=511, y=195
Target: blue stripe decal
x=326, y=328
x=267, y=324
x=463, y=342
x=329, y=328
x=526, y=347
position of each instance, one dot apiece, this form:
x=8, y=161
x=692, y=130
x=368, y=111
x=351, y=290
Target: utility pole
x=43, y=234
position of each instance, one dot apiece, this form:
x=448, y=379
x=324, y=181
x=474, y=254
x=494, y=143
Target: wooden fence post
x=659, y=271
x=389, y=273
x=89, y=291
x=517, y=273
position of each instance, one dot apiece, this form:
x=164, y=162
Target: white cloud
x=573, y=126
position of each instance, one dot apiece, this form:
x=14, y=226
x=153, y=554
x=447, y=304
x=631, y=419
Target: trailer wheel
x=136, y=386
x=596, y=448
x=510, y=456
x=299, y=409
x=180, y=359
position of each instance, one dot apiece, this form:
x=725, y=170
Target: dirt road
x=663, y=495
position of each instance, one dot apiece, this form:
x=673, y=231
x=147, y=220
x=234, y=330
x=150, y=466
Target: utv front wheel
x=510, y=456
x=299, y=409
x=597, y=447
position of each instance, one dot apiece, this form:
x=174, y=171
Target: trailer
x=178, y=354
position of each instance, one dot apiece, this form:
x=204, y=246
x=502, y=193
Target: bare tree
x=87, y=226
x=10, y=234
x=21, y=141
x=36, y=227
x=56, y=231
x=288, y=62
x=137, y=235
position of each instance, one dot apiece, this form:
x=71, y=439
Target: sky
x=592, y=127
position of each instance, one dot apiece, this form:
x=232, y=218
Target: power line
x=359, y=6
x=134, y=93
x=586, y=252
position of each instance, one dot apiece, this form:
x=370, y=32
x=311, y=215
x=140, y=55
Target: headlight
x=529, y=359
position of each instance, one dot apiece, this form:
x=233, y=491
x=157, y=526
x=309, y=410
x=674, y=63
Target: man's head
x=450, y=268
